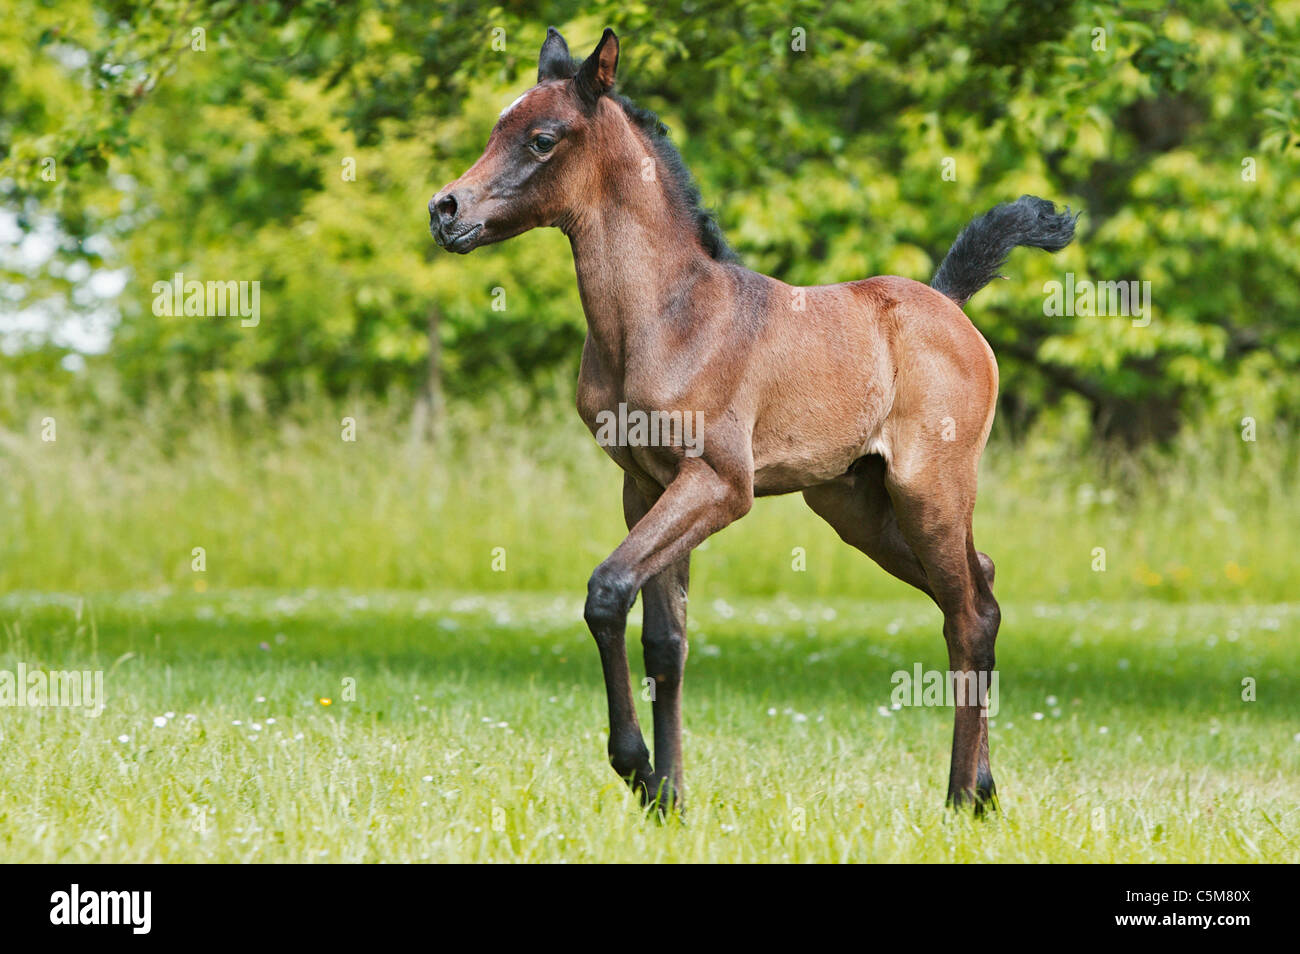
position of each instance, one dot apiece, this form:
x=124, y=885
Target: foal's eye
x=543, y=143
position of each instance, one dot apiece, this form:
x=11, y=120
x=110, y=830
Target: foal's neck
x=636, y=253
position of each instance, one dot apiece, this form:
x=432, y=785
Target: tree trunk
x=427, y=414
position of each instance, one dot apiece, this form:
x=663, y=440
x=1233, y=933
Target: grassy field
x=474, y=731
x=519, y=498
x=317, y=649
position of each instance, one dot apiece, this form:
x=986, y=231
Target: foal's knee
x=609, y=598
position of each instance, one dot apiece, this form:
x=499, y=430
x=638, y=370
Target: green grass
x=477, y=733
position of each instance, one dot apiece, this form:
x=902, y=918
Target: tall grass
x=514, y=495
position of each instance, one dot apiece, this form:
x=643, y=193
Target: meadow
x=326, y=634
x=330, y=726
x=383, y=656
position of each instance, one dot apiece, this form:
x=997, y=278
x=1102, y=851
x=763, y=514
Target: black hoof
x=982, y=801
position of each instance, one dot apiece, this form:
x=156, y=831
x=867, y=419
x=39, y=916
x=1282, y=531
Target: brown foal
x=873, y=398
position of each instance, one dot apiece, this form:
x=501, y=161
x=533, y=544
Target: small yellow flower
x=326, y=702
x=1235, y=573
x=200, y=586
x=1148, y=577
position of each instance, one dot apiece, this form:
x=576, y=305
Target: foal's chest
x=645, y=440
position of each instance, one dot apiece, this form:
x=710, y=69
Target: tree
x=295, y=144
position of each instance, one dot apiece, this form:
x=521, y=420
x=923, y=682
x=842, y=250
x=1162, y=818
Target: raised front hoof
x=981, y=801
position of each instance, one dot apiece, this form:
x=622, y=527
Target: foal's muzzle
x=446, y=226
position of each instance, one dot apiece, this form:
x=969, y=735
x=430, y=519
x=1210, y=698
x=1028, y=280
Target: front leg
x=699, y=502
x=663, y=642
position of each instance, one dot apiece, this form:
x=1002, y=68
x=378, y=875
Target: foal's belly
x=815, y=426
x=792, y=454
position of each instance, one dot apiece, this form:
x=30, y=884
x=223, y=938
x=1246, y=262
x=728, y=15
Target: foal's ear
x=596, y=76
x=555, y=61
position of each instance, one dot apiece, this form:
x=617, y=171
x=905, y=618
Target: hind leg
x=925, y=540
x=933, y=507
x=859, y=509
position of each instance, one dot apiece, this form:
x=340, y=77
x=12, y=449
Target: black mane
x=706, y=226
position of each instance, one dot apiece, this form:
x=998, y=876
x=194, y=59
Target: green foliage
x=212, y=139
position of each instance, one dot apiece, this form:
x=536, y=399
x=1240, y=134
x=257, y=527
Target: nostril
x=446, y=207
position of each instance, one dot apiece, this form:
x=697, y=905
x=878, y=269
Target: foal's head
x=544, y=154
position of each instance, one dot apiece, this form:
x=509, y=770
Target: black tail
x=983, y=246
